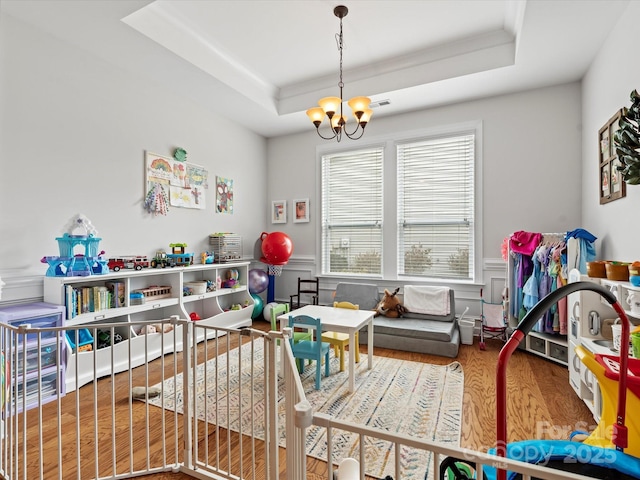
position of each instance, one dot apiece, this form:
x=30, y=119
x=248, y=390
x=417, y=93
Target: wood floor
x=541, y=404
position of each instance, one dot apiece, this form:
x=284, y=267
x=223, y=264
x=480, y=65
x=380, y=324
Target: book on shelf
x=70, y=301
x=117, y=293
x=79, y=300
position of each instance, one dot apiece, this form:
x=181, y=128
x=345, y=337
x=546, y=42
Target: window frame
x=413, y=220
x=389, y=190
x=368, y=224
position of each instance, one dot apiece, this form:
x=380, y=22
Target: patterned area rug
x=402, y=397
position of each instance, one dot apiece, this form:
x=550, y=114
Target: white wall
x=74, y=131
x=606, y=88
x=531, y=167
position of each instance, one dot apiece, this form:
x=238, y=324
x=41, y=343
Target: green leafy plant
x=417, y=259
x=368, y=262
x=338, y=261
x=627, y=141
x=459, y=262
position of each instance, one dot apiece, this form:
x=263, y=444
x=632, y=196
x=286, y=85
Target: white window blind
x=436, y=207
x=352, y=212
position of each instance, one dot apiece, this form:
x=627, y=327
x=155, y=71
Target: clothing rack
x=553, y=237
x=541, y=343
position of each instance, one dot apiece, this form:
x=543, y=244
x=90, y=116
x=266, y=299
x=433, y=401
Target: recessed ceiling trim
x=475, y=54
x=157, y=22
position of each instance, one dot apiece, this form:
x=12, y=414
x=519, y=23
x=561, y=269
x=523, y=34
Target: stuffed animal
x=390, y=306
x=148, y=329
x=163, y=327
x=156, y=328
x=145, y=392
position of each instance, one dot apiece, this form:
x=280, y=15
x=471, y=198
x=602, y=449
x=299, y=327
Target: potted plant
x=627, y=141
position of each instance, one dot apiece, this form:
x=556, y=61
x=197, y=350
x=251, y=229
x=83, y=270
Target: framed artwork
x=224, y=195
x=610, y=184
x=279, y=211
x=301, y=210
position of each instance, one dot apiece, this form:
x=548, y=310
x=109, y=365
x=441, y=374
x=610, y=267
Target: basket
x=85, y=339
x=196, y=287
x=274, y=270
x=617, y=271
x=596, y=269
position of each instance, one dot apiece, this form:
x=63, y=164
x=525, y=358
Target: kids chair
x=341, y=340
x=279, y=310
x=314, y=349
x=305, y=287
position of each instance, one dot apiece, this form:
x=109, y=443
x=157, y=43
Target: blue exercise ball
x=258, y=305
x=258, y=280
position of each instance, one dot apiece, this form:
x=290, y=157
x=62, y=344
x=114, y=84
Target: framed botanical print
x=611, y=185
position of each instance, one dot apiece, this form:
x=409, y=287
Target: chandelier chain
x=339, y=39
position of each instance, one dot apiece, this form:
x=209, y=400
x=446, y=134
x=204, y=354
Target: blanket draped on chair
x=426, y=299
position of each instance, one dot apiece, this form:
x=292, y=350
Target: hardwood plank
x=540, y=402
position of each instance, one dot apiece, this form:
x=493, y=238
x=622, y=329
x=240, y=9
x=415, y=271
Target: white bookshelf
x=213, y=308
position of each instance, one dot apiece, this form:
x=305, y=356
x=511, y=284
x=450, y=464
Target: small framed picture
x=279, y=211
x=301, y=210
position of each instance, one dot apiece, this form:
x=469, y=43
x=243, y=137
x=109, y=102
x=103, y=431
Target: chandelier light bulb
x=359, y=104
x=330, y=105
x=316, y=115
x=365, y=117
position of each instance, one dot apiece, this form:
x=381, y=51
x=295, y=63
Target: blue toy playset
x=87, y=261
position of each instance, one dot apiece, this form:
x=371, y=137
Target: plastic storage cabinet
x=35, y=361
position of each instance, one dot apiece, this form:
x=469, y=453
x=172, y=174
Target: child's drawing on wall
x=224, y=195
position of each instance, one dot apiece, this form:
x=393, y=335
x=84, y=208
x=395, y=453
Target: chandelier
x=332, y=106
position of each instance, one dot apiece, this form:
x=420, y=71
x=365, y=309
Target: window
x=436, y=207
x=352, y=212
x=427, y=229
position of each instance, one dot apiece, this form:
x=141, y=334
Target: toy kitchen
x=595, y=326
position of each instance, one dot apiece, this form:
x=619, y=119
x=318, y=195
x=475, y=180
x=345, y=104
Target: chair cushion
x=364, y=294
x=414, y=328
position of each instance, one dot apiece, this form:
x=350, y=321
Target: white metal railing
x=439, y=451
x=98, y=430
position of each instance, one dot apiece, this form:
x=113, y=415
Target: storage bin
x=196, y=287
x=558, y=352
x=537, y=344
x=36, y=373
x=36, y=315
x=47, y=355
x=136, y=298
x=596, y=269
x=85, y=339
x=617, y=271
x=466, y=326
